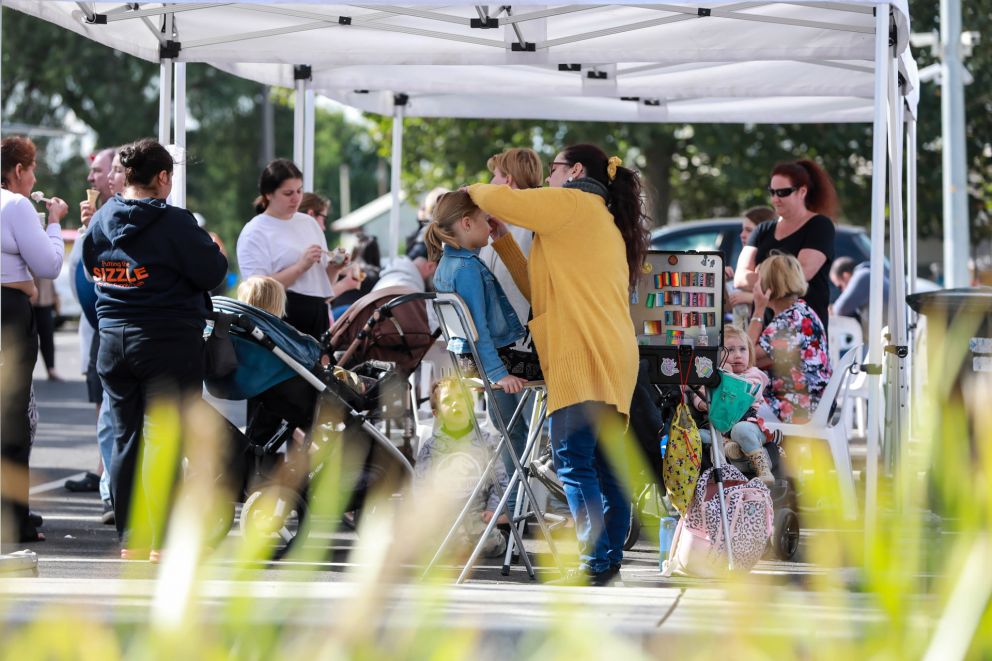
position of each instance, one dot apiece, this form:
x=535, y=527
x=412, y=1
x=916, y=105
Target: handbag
x=680, y=466
x=219, y=355
x=730, y=400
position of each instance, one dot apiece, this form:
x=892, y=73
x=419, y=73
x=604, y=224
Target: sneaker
x=582, y=577
x=107, y=518
x=89, y=482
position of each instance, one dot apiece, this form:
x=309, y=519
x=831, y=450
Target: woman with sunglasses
x=805, y=201
x=590, y=238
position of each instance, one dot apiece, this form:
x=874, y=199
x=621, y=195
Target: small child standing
x=747, y=438
x=451, y=462
x=458, y=231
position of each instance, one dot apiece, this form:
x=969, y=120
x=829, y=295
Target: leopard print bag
x=699, y=546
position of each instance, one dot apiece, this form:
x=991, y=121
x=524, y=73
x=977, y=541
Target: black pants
x=19, y=342
x=307, y=314
x=44, y=317
x=140, y=365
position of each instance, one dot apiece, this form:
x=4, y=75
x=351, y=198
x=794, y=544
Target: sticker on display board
x=704, y=367
x=668, y=367
x=980, y=345
x=981, y=364
x=647, y=267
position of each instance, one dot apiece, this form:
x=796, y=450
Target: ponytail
x=627, y=207
x=448, y=210
x=625, y=203
x=261, y=204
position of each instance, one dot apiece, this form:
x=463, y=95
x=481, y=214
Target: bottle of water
x=666, y=533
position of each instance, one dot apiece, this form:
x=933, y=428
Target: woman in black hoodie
x=153, y=267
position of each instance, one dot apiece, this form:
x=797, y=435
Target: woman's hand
x=497, y=228
x=310, y=257
x=57, y=209
x=511, y=384
x=739, y=297
x=334, y=267
x=86, y=212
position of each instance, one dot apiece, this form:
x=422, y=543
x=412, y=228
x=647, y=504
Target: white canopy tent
x=675, y=62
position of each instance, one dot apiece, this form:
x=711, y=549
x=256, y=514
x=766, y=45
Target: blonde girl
x=264, y=293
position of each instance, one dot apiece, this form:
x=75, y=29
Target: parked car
x=724, y=234
x=68, y=307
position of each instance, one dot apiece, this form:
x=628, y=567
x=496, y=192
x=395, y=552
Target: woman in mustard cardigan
x=589, y=244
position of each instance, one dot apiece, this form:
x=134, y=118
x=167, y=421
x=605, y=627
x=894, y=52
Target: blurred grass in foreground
x=919, y=587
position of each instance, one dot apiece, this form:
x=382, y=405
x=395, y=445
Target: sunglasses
x=782, y=192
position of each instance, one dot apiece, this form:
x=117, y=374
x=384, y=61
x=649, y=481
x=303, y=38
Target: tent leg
x=179, y=173
x=952, y=124
x=877, y=270
x=298, y=118
x=396, y=168
x=308, y=136
x=165, y=102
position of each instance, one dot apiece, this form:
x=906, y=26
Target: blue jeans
x=597, y=499
x=746, y=434
x=105, y=441
x=507, y=404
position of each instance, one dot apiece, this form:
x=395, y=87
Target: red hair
x=821, y=196
x=15, y=150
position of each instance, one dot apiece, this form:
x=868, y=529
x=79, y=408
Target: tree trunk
x=657, y=180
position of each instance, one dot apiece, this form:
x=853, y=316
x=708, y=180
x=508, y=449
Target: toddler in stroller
x=284, y=373
x=751, y=448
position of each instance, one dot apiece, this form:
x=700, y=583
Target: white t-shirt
x=268, y=245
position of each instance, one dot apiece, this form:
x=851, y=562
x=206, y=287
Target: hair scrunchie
x=611, y=167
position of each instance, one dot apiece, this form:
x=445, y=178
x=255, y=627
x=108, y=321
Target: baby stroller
x=282, y=373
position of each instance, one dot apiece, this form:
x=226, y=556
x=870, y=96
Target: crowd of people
x=546, y=271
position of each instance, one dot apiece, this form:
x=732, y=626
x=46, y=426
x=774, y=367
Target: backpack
x=699, y=547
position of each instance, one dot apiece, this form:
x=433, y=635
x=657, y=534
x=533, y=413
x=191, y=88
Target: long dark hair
x=625, y=203
x=821, y=196
x=271, y=179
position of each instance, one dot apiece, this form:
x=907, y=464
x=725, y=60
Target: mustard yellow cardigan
x=577, y=287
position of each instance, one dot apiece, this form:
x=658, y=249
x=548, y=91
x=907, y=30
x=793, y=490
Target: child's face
x=454, y=410
x=737, y=354
x=472, y=231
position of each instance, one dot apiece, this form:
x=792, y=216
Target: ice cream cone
x=92, y=195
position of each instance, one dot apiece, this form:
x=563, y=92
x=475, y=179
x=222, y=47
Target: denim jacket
x=462, y=272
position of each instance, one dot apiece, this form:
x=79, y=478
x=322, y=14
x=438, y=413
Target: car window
x=855, y=245
x=732, y=249
x=688, y=240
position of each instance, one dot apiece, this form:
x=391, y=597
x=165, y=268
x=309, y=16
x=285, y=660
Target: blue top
x=462, y=272
x=151, y=264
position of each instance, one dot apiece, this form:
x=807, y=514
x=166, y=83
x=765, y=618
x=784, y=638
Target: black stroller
x=291, y=385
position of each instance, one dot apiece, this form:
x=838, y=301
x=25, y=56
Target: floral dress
x=797, y=344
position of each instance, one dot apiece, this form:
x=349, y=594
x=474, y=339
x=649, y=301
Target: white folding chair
x=830, y=428
x=846, y=332
x=456, y=321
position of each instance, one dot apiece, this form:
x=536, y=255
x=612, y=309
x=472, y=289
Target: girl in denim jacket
x=458, y=230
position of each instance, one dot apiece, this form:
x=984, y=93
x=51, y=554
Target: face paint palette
x=677, y=311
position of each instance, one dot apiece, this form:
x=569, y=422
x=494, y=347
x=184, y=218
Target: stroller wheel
x=785, y=534
x=272, y=517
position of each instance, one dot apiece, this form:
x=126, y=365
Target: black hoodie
x=151, y=263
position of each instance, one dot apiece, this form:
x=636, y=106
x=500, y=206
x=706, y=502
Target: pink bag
x=699, y=548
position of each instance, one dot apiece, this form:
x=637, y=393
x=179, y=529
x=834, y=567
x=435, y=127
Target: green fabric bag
x=730, y=400
x=680, y=467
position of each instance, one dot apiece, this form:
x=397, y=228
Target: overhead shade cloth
x=336, y=34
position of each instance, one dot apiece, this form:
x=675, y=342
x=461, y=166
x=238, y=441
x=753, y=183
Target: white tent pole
x=165, y=101
x=956, y=247
x=298, y=112
x=179, y=172
x=877, y=266
x=896, y=403
x=308, y=136
x=396, y=168
x=911, y=155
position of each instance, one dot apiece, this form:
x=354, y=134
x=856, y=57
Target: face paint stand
x=677, y=310
x=456, y=321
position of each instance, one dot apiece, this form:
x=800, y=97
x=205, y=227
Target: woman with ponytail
x=805, y=203
x=289, y=246
x=590, y=238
